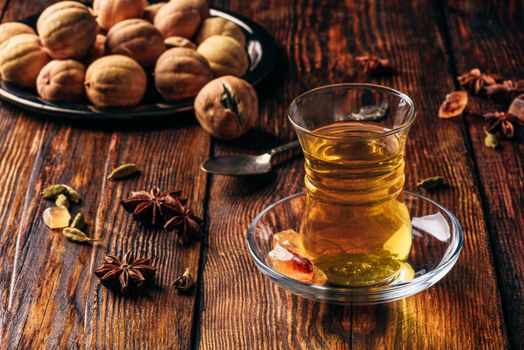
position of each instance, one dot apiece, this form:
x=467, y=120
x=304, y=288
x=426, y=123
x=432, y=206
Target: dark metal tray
x=260, y=46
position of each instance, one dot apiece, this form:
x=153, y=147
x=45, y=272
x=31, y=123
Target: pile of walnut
x=122, y=42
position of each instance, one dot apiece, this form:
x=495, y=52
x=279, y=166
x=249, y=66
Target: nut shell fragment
x=184, y=282
x=517, y=108
x=453, y=105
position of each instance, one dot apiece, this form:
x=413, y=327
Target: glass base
x=437, y=242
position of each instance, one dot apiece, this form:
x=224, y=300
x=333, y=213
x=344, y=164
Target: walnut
x=227, y=107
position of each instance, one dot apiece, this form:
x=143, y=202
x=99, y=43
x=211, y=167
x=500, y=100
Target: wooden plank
x=55, y=296
x=18, y=149
x=446, y=315
x=46, y=144
x=51, y=279
x=240, y=307
x=170, y=159
x=55, y=301
x=509, y=11
x=493, y=43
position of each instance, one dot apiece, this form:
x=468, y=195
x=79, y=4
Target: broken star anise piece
x=501, y=121
x=475, y=80
x=453, y=105
x=153, y=207
x=127, y=274
x=506, y=91
x=374, y=65
x=186, y=225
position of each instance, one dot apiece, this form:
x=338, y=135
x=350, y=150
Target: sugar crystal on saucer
x=289, y=239
x=291, y=264
x=294, y=265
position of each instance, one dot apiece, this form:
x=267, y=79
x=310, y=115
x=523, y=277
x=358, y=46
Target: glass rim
x=410, y=114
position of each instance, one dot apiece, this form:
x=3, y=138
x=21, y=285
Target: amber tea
x=356, y=227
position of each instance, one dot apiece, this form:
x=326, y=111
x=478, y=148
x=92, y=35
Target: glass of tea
x=356, y=225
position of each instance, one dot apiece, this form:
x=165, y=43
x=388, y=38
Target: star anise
x=186, y=225
x=374, y=65
x=505, y=122
x=125, y=275
x=507, y=91
x=475, y=80
x=153, y=207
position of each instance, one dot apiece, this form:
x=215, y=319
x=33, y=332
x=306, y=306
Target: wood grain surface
x=50, y=298
x=339, y=32
x=496, y=46
x=56, y=300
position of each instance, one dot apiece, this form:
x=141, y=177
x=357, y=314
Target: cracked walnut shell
x=227, y=107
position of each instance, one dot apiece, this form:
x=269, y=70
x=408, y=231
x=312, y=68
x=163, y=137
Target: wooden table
x=50, y=298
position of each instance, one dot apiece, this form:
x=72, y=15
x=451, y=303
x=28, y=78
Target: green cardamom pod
x=491, y=140
x=72, y=194
x=51, y=192
x=431, y=183
x=123, y=171
x=62, y=201
x=75, y=235
x=78, y=222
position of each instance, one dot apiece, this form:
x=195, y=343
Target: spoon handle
x=283, y=148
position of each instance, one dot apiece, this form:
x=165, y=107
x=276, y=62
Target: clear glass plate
x=437, y=242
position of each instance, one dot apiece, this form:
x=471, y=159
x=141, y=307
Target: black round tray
x=260, y=47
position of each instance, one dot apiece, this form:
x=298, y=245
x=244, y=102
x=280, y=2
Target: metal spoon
x=243, y=164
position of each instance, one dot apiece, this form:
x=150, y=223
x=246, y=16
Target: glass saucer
x=437, y=242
